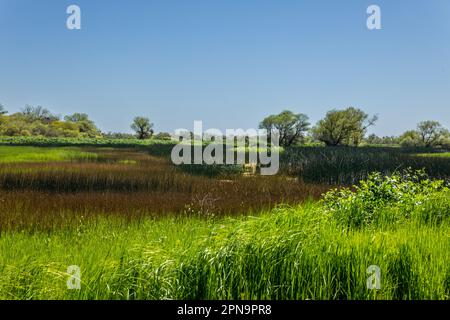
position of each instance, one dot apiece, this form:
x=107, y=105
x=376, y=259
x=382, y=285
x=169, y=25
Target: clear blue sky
x=227, y=62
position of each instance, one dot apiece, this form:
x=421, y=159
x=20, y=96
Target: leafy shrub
x=404, y=193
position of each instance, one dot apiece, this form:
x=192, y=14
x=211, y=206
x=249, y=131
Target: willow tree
x=291, y=127
x=343, y=127
x=142, y=127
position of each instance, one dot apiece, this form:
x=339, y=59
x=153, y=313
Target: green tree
x=445, y=142
x=430, y=133
x=343, y=127
x=85, y=125
x=373, y=139
x=290, y=126
x=163, y=136
x=142, y=127
x=38, y=114
x=77, y=117
x=410, y=138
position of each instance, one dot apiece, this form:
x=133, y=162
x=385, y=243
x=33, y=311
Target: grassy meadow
x=433, y=155
x=36, y=154
x=141, y=228
x=290, y=253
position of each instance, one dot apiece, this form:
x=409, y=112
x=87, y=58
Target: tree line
x=39, y=121
x=348, y=127
x=339, y=127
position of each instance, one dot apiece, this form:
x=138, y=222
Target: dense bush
x=408, y=194
x=38, y=121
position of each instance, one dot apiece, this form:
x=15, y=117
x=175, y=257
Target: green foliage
x=343, y=127
x=84, y=125
x=163, y=136
x=142, y=127
x=409, y=138
x=428, y=134
x=431, y=133
x=118, y=135
x=38, y=121
x=402, y=192
x=291, y=127
x=39, y=113
x=374, y=140
x=63, y=141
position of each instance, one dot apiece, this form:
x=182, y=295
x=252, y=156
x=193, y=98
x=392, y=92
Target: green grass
x=9, y=154
x=432, y=155
x=288, y=253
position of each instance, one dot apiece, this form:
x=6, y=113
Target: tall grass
x=347, y=165
x=288, y=253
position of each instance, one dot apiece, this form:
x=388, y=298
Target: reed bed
x=347, y=165
x=132, y=184
x=37, y=210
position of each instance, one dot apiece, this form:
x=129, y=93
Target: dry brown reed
x=131, y=184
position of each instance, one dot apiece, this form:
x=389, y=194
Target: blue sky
x=227, y=62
